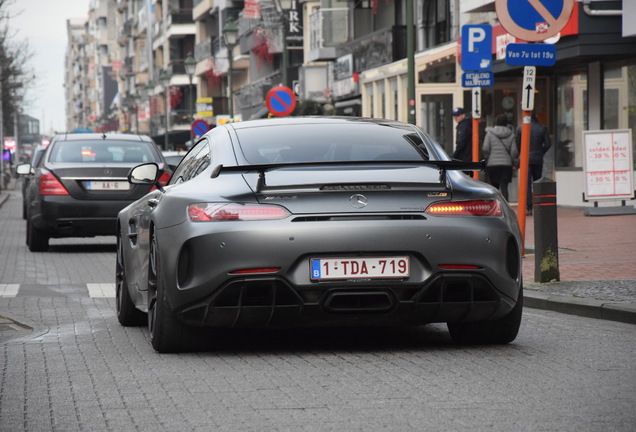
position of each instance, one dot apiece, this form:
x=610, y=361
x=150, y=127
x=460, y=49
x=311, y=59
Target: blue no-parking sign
x=533, y=20
x=199, y=127
x=281, y=101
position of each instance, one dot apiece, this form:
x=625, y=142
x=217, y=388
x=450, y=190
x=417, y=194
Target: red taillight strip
x=460, y=267
x=217, y=212
x=256, y=270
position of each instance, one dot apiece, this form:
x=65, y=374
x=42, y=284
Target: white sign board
x=607, y=164
x=527, y=88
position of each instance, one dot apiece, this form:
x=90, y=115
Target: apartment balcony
x=122, y=5
x=125, y=33
x=328, y=28
x=208, y=48
x=250, y=97
x=376, y=49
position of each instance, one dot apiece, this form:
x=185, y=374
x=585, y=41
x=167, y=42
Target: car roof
x=279, y=121
x=101, y=136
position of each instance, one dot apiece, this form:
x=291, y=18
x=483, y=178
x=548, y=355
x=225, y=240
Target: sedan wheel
x=497, y=332
x=127, y=313
x=167, y=333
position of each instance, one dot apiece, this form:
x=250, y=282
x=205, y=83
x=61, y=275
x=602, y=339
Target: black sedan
x=318, y=222
x=80, y=185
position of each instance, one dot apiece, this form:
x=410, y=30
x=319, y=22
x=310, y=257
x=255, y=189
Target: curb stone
x=585, y=307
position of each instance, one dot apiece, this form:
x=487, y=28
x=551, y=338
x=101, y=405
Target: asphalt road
x=67, y=365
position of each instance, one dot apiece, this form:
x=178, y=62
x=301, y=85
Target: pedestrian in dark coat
x=501, y=154
x=463, y=141
x=539, y=144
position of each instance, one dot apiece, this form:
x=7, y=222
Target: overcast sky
x=43, y=24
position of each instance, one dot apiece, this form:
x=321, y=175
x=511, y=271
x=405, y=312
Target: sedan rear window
x=304, y=143
x=101, y=152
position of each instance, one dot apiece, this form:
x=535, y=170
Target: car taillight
x=50, y=185
x=466, y=208
x=218, y=212
x=162, y=180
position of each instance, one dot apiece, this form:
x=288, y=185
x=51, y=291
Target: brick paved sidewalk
x=590, y=247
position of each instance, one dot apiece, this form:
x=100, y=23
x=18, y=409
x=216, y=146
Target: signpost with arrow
x=476, y=61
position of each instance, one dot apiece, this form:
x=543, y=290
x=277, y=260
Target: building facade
x=349, y=57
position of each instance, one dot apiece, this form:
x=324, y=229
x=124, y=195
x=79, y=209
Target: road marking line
x=9, y=290
x=103, y=290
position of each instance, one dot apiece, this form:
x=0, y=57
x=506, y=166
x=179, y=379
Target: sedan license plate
x=107, y=185
x=360, y=268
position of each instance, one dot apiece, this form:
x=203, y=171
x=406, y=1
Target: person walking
x=500, y=153
x=540, y=143
x=463, y=140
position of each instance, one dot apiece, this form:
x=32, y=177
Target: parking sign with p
x=476, y=47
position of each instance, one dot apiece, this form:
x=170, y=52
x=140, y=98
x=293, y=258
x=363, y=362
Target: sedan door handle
x=152, y=202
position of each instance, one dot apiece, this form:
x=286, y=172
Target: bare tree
x=14, y=79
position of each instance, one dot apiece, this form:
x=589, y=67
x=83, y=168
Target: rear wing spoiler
x=441, y=165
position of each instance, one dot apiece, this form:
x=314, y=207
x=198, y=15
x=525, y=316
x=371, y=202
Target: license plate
x=360, y=268
x=108, y=185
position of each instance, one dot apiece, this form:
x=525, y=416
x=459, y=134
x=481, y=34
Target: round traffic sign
x=199, y=127
x=533, y=20
x=280, y=101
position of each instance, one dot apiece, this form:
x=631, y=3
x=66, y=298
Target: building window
x=436, y=22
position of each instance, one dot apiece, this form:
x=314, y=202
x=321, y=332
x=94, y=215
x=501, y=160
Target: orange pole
x=523, y=176
x=475, y=145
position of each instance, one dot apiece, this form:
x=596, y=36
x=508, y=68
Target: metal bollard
x=546, y=244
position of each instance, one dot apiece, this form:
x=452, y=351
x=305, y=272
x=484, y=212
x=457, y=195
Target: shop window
x=444, y=73
x=571, y=119
x=619, y=98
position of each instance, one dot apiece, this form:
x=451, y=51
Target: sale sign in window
x=608, y=164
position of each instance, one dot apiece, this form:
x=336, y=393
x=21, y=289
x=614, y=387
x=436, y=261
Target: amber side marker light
x=466, y=208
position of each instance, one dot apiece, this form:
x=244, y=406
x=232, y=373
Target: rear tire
x=37, y=240
x=127, y=313
x=497, y=332
x=167, y=333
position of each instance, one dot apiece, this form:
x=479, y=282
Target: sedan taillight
x=219, y=212
x=466, y=208
x=50, y=185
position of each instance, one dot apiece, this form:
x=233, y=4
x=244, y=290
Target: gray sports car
x=318, y=222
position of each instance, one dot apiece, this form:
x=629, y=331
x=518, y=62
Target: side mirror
x=145, y=174
x=24, y=169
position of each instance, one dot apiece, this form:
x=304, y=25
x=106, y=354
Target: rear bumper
x=272, y=302
x=64, y=216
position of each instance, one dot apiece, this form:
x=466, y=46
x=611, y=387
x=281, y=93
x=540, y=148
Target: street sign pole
x=476, y=92
x=531, y=21
x=527, y=105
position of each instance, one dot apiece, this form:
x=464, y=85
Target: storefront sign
x=607, y=164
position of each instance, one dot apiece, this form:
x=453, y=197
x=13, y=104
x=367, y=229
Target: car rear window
x=101, y=152
x=305, y=143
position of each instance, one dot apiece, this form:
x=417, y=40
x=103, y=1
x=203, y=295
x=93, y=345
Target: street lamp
x=190, y=65
x=164, y=79
x=283, y=7
x=230, y=37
